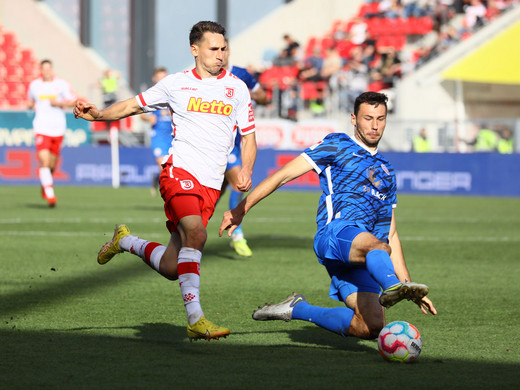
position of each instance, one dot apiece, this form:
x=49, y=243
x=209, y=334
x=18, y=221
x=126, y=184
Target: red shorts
x=46, y=142
x=183, y=195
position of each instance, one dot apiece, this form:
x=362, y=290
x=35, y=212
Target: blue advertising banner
x=426, y=173
x=16, y=129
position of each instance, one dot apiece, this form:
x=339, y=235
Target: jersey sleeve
x=245, y=116
x=322, y=154
x=156, y=97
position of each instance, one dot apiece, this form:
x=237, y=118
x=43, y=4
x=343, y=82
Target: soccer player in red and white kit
x=208, y=105
x=49, y=96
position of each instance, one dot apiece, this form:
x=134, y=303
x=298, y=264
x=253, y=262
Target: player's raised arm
x=293, y=169
x=115, y=112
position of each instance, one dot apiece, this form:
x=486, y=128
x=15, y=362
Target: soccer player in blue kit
x=356, y=237
x=160, y=132
x=259, y=96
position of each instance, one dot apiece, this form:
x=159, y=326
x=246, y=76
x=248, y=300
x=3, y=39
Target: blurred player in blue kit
x=161, y=131
x=258, y=95
x=356, y=239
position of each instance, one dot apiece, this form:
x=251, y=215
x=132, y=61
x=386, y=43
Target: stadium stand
x=18, y=67
x=393, y=42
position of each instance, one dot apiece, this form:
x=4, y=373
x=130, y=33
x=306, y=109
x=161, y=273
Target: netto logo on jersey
x=219, y=108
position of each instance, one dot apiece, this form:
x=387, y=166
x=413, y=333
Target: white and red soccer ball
x=399, y=341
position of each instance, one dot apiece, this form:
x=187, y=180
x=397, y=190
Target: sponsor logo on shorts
x=187, y=184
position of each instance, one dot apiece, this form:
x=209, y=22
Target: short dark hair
x=160, y=69
x=45, y=61
x=198, y=30
x=372, y=98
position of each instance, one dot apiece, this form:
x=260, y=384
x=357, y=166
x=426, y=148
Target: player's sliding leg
x=296, y=307
x=363, y=248
x=238, y=242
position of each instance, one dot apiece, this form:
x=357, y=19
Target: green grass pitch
x=68, y=323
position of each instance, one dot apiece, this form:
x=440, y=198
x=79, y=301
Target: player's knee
x=380, y=245
x=196, y=237
x=366, y=328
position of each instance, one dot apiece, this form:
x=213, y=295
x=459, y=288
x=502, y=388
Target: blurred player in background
x=357, y=238
x=161, y=131
x=49, y=96
x=208, y=104
x=238, y=242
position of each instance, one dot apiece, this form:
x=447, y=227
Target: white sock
x=237, y=236
x=188, y=269
x=46, y=181
x=150, y=252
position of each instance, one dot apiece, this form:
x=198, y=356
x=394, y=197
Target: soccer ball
x=399, y=341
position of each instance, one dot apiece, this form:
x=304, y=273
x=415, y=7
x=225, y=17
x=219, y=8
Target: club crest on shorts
x=186, y=184
x=230, y=92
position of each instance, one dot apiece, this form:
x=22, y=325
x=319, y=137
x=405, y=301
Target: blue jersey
x=161, y=133
x=251, y=83
x=357, y=186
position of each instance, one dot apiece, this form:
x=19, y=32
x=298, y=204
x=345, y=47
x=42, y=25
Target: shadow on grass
x=160, y=356
x=220, y=247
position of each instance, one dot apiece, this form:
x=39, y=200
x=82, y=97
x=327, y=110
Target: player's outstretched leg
x=205, y=329
x=111, y=248
x=411, y=291
x=278, y=311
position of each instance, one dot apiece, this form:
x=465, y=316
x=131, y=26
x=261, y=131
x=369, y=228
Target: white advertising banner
x=280, y=134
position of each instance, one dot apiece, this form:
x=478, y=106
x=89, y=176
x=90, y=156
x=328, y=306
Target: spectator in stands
x=390, y=9
x=505, y=142
x=332, y=63
x=352, y=80
x=358, y=32
x=317, y=105
x=49, y=96
x=109, y=84
x=289, y=55
x=390, y=66
x=421, y=143
x=475, y=13
x=311, y=68
x=486, y=140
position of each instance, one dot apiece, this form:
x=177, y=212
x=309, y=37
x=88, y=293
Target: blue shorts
x=160, y=146
x=332, y=246
x=234, y=158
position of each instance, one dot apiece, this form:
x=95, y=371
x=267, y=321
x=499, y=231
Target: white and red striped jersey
x=49, y=120
x=206, y=113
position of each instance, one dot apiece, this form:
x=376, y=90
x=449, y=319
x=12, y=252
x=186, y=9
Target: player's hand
x=426, y=306
x=230, y=221
x=244, y=182
x=86, y=111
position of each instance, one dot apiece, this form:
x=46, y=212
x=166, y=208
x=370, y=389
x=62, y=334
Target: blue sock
x=380, y=267
x=335, y=319
x=234, y=199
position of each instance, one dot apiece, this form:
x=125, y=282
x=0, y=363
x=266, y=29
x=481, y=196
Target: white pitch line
x=160, y=235
x=67, y=234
